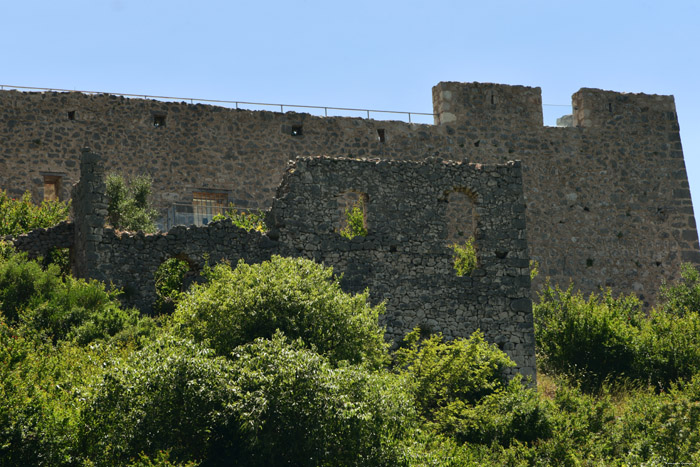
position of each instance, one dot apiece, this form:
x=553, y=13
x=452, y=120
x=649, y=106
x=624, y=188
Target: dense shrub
x=590, y=339
x=128, y=204
x=42, y=392
x=683, y=296
x=512, y=412
x=443, y=372
x=273, y=403
x=612, y=338
x=297, y=409
x=169, y=285
x=59, y=308
x=18, y=216
x=172, y=395
x=297, y=296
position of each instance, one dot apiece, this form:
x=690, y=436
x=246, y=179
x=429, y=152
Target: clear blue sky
x=369, y=54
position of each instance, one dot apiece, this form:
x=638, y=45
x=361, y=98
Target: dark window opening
x=297, y=130
x=158, y=121
x=381, y=135
x=71, y=115
x=476, y=143
x=610, y=107
x=493, y=99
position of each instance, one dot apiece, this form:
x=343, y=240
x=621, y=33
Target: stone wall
x=608, y=202
x=405, y=260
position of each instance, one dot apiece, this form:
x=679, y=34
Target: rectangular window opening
x=158, y=121
x=206, y=205
x=297, y=130
x=381, y=135
x=71, y=115
x=52, y=187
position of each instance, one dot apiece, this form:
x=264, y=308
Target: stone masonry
x=405, y=260
x=608, y=202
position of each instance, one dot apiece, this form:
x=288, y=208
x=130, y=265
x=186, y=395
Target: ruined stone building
x=605, y=200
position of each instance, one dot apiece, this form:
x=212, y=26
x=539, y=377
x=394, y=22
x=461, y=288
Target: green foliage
x=128, y=205
x=682, y=297
x=589, y=339
x=464, y=258
x=60, y=257
x=59, y=308
x=18, y=216
x=534, y=269
x=294, y=295
x=245, y=220
x=512, y=412
x=172, y=395
x=443, y=372
x=355, y=218
x=169, y=282
x=301, y=410
x=606, y=338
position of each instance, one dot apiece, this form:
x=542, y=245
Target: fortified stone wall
x=405, y=259
x=607, y=201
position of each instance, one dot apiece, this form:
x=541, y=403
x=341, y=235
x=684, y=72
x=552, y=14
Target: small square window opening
x=381, y=135
x=158, y=121
x=71, y=115
x=297, y=130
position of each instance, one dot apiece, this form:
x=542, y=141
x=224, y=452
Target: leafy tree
x=129, y=207
x=18, y=216
x=296, y=296
x=301, y=410
x=173, y=395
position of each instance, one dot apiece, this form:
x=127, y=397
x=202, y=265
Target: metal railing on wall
x=194, y=100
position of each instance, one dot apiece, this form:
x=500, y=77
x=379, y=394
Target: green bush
x=512, y=412
x=173, y=395
x=683, y=296
x=355, y=218
x=169, y=282
x=668, y=348
x=297, y=409
x=18, y=216
x=613, y=338
x=443, y=372
x=590, y=340
x=245, y=220
x=464, y=258
x=294, y=295
x=59, y=308
x=128, y=204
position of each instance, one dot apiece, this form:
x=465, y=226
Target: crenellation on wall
x=487, y=104
x=598, y=108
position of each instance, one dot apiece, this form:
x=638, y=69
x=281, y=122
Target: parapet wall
x=608, y=202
